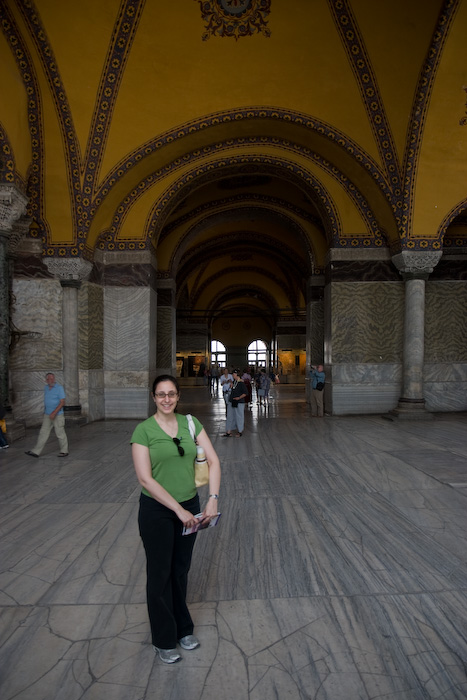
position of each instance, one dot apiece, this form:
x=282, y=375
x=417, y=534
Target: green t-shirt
x=175, y=473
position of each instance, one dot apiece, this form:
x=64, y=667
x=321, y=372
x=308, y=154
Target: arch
x=457, y=211
x=218, y=352
x=147, y=165
x=278, y=167
x=257, y=353
x=181, y=250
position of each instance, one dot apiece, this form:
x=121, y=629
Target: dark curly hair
x=165, y=378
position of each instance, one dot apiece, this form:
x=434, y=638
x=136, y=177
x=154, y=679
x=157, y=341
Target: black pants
x=168, y=558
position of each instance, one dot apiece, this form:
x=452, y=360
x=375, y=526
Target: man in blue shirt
x=54, y=400
x=317, y=402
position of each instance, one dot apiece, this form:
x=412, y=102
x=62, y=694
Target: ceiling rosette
x=235, y=18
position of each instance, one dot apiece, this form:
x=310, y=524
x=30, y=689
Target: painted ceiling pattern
x=89, y=187
x=235, y=18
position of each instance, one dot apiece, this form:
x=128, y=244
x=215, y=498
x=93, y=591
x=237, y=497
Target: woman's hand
x=187, y=518
x=210, y=511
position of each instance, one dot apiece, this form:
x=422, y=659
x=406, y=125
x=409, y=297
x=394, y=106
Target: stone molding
x=168, y=283
x=358, y=254
x=416, y=264
x=13, y=205
x=125, y=257
x=69, y=268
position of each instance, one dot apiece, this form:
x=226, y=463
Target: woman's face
x=166, y=397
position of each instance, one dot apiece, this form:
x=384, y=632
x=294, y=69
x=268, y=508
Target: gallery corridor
x=338, y=570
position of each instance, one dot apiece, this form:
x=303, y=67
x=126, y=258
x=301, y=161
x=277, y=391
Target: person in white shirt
x=226, y=381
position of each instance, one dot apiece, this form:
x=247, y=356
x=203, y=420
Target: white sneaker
x=168, y=656
x=189, y=642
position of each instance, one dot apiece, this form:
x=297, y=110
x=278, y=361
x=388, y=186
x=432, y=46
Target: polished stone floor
x=338, y=570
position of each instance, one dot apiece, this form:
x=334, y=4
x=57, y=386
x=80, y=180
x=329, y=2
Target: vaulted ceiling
x=238, y=160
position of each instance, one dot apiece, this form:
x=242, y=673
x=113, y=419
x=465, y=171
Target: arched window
x=218, y=353
x=257, y=353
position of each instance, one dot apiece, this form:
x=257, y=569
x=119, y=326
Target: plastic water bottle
x=200, y=456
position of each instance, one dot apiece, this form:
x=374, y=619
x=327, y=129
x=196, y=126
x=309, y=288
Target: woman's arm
x=211, y=508
x=142, y=464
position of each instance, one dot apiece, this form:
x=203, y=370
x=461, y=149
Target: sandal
x=227, y=435
x=239, y=435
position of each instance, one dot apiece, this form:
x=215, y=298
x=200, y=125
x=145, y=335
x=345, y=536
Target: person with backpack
x=317, y=377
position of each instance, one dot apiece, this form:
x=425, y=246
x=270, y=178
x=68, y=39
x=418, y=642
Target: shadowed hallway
x=338, y=571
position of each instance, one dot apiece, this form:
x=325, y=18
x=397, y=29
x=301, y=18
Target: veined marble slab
x=127, y=328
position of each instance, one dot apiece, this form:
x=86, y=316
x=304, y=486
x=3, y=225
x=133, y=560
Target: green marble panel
x=317, y=332
x=446, y=321
x=165, y=336
x=91, y=326
x=367, y=322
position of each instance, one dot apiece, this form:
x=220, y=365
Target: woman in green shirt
x=163, y=456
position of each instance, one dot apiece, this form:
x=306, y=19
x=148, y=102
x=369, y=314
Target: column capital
x=316, y=281
x=13, y=205
x=18, y=234
x=66, y=269
x=166, y=283
x=416, y=264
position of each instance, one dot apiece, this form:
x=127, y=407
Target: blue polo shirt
x=52, y=398
x=316, y=377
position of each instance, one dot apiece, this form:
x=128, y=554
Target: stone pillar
x=314, y=327
x=274, y=345
x=12, y=208
x=70, y=272
x=166, y=361
x=4, y=316
x=415, y=268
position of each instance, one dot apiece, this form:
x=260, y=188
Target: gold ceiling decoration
x=235, y=18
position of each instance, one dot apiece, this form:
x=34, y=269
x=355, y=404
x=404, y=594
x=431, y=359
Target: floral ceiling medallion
x=235, y=17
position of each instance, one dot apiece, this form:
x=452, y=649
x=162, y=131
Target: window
x=257, y=353
x=218, y=353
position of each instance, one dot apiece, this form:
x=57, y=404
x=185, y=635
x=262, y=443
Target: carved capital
x=416, y=264
x=19, y=233
x=12, y=207
x=69, y=268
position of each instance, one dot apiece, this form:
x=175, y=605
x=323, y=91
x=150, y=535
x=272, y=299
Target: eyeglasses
x=180, y=449
x=162, y=394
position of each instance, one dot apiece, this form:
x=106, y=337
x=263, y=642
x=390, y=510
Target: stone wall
x=130, y=315
x=364, y=344
x=37, y=345
x=91, y=351
x=445, y=370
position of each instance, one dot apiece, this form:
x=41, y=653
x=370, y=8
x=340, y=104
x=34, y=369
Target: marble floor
x=338, y=570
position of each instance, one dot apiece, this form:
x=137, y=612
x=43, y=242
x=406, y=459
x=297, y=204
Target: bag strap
x=191, y=427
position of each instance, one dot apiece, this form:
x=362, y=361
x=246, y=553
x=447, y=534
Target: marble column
x=166, y=362
x=274, y=344
x=415, y=268
x=314, y=327
x=12, y=208
x=71, y=272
